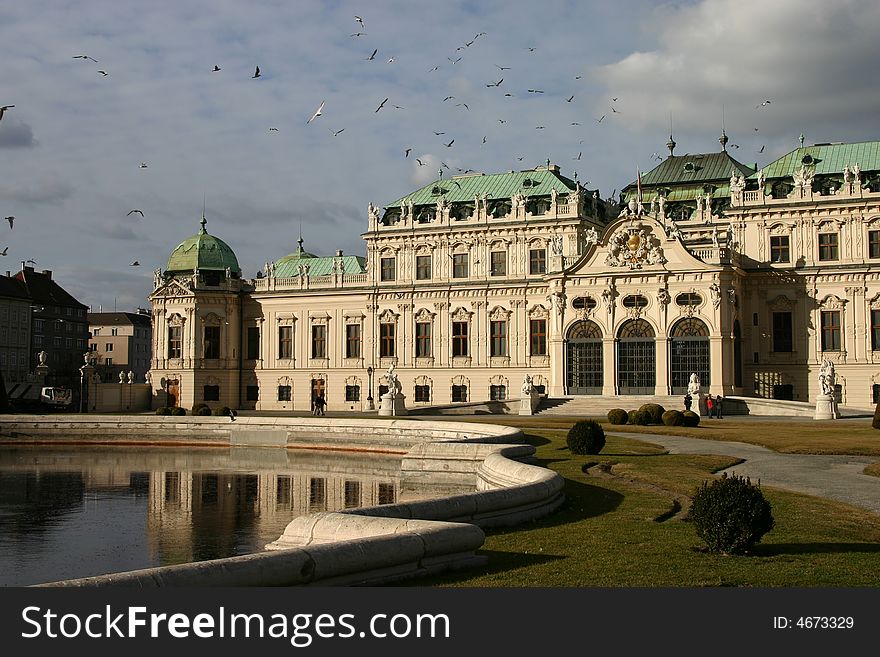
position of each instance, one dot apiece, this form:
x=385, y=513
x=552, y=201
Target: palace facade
x=750, y=278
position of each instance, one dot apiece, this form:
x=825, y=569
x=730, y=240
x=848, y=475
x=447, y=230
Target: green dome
x=202, y=251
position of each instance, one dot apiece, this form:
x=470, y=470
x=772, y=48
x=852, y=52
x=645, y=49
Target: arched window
x=635, y=301
x=688, y=299
x=580, y=303
x=688, y=353
x=636, y=328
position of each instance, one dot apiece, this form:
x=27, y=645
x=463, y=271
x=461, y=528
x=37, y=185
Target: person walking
x=718, y=407
x=688, y=400
x=710, y=406
x=319, y=405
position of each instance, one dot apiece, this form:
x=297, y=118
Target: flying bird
x=456, y=183
x=3, y=109
x=421, y=164
x=614, y=110
x=372, y=55
x=539, y=127
x=361, y=21
x=656, y=156
x=762, y=148
x=535, y=91
x=520, y=158
x=531, y=50
x=357, y=34
x=502, y=120
x=271, y=129
x=85, y=57
x=448, y=98
x=570, y=98
x=599, y=120
x=336, y=132
x=578, y=156
x=438, y=133
x=317, y=112
x=11, y=220
x=443, y=164
x=135, y=264
x=457, y=59
x=30, y=262
x=104, y=73
x=135, y=212
x=463, y=105
x=397, y=107
x=215, y=69
x=449, y=145
x=764, y=103
x=503, y=68
x=575, y=123
x=256, y=72
x=391, y=60
x=484, y=139
x=495, y=84
x=433, y=69
x=508, y=95
x=143, y=165
x=3, y=252
x=406, y=153
x=479, y=35
x=382, y=104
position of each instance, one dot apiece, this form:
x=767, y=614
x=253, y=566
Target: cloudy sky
x=72, y=146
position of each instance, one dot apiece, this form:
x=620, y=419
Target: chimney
x=48, y=273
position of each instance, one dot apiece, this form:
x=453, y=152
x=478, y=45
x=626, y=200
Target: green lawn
x=628, y=530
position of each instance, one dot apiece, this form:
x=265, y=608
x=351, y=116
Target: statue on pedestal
x=827, y=377
x=527, y=386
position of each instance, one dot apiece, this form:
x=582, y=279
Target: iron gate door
x=636, y=362
x=584, y=367
x=686, y=356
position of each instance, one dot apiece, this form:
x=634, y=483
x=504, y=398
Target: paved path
x=834, y=477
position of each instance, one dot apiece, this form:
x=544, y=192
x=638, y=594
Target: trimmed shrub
x=631, y=417
x=639, y=418
x=876, y=421
x=204, y=410
x=223, y=410
x=177, y=410
x=198, y=406
x=730, y=514
x=654, y=412
x=163, y=410
x=691, y=419
x=618, y=416
x=673, y=418
x=586, y=437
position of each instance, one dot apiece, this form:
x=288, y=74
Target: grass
x=627, y=531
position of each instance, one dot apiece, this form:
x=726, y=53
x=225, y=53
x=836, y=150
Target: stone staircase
x=599, y=405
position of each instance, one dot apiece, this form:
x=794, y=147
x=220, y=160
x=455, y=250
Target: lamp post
x=370, y=405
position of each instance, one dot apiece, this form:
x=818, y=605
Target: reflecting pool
x=80, y=511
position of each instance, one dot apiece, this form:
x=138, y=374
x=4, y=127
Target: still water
x=81, y=511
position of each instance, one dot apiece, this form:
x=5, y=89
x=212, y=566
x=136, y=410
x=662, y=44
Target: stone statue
x=803, y=178
x=553, y=195
x=762, y=179
x=661, y=203
x=558, y=301
x=148, y=377
x=694, y=385
x=737, y=183
x=42, y=356
x=122, y=377
x=87, y=357
x=394, y=386
x=608, y=298
x=857, y=174
x=827, y=377
x=708, y=203
x=715, y=293
x=662, y=296
x=527, y=387
x=130, y=376
x=731, y=295
x=556, y=245
x=655, y=206
x=157, y=278
x=373, y=212
x=847, y=175
x=675, y=231
x=715, y=236
x=591, y=237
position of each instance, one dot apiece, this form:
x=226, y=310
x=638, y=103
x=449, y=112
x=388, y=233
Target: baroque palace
x=750, y=278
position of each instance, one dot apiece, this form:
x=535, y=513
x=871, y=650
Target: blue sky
x=71, y=148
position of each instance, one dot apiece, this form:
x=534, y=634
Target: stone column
x=661, y=365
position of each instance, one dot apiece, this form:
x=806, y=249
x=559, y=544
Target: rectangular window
x=108, y=346
x=212, y=342
x=538, y=337
x=423, y=268
x=352, y=393
x=874, y=243
x=830, y=330
x=319, y=341
x=827, y=246
x=68, y=342
x=875, y=330
x=459, y=338
x=253, y=342
x=386, y=493
x=285, y=342
x=459, y=393
x=779, y=251
x=352, y=494
x=423, y=393
x=174, y=333
x=283, y=393
x=387, y=269
x=252, y=393
x=107, y=361
x=386, y=340
x=114, y=331
x=38, y=341
x=352, y=340
x=460, y=265
x=498, y=338
x=317, y=494
x=423, y=339
x=211, y=393
x=782, y=332
x=497, y=393
x=38, y=326
x=538, y=261
x=498, y=263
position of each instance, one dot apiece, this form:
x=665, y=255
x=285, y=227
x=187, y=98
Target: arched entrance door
x=688, y=353
x=583, y=359
x=636, y=358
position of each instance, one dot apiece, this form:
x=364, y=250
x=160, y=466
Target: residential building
x=15, y=330
x=121, y=342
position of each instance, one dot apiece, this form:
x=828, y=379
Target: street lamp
x=370, y=405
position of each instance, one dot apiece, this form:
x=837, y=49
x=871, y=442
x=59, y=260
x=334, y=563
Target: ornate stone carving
x=662, y=296
x=832, y=302
x=538, y=312
x=499, y=314
x=633, y=247
x=424, y=315
x=387, y=316
x=461, y=315
x=715, y=294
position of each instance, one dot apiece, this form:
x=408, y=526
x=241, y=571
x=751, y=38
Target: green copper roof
x=826, y=159
x=202, y=251
x=288, y=266
x=694, y=168
x=531, y=182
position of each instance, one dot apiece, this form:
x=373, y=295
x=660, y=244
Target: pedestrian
x=314, y=404
x=319, y=405
x=232, y=414
x=718, y=407
x=710, y=406
x=688, y=400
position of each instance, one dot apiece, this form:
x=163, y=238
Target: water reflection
x=84, y=511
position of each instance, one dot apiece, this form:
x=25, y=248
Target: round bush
x=163, y=410
x=198, y=406
x=654, y=412
x=639, y=418
x=204, y=410
x=631, y=417
x=673, y=418
x=177, y=410
x=730, y=514
x=586, y=437
x=617, y=416
x=691, y=419
x=223, y=410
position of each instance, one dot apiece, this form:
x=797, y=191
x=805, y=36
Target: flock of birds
x=319, y=112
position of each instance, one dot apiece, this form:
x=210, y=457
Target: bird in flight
x=495, y=84
x=449, y=145
x=104, y=73
x=463, y=105
x=421, y=164
x=391, y=60
x=539, y=127
x=484, y=139
x=30, y=262
x=614, y=110
x=578, y=156
x=599, y=120
x=531, y=50
x=502, y=68
x=3, y=109
x=502, y=120
x=135, y=264
x=11, y=220
x=336, y=132
x=762, y=148
x=535, y=91
x=570, y=98
x=656, y=156
x=215, y=69
x=85, y=57
x=361, y=21
x=381, y=105
x=520, y=158
x=135, y=212
x=614, y=100
x=764, y=103
x=3, y=252
x=143, y=165
x=406, y=153
x=575, y=123
x=448, y=98
x=271, y=129
x=372, y=55
x=433, y=69
x=357, y=34
x=317, y=112
x=256, y=72
x=457, y=59
x=397, y=107
x=439, y=133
